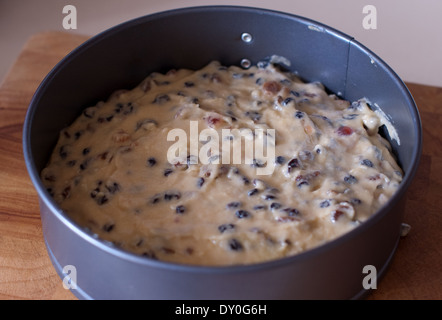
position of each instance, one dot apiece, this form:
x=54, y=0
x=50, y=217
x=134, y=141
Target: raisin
x=291, y=212
x=302, y=183
x=299, y=114
x=84, y=164
x=118, y=108
x=62, y=152
x=102, y=200
x=324, y=204
x=286, y=101
x=86, y=151
x=350, y=179
x=233, y=205
x=275, y=205
x=189, y=84
x=127, y=109
x=271, y=87
x=112, y=188
x=303, y=180
x=355, y=105
x=191, y=159
x=269, y=197
x=367, y=163
x=108, y=227
x=294, y=163
x=156, y=199
x=50, y=191
x=350, y=116
x=78, y=134
x=151, y=162
x=162, y=98
x=241, y=214
x=295, y=93
x=259, y=207
x=257, y=164
x=200, y=182
x=235, y=245
x=280, y=160
x=225, y=227
x=252, y=192
x=94, y=192
x=254, y=115
x=150, y=254
x=66, y=192
x=180, y=209
x=167, y=172
x=170, y=195
x=230, y=138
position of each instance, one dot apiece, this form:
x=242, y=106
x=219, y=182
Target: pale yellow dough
x=109, y=171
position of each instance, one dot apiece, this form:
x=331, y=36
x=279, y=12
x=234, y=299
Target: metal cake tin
x=124, y=55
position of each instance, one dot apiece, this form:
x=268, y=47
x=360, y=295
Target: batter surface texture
x=331, y=170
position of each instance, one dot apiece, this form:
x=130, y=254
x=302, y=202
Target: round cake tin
x=121, y=57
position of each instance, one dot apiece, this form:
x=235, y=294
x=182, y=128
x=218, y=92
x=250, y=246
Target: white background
x=408, y=35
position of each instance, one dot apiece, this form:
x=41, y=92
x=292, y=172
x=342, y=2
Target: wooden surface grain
x=27, y=273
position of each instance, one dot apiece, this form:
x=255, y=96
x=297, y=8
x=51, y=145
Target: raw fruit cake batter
x=110, y=170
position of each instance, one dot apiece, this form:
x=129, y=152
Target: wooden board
x=27, y=273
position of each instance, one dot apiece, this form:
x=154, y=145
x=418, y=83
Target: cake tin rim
x=123, y=254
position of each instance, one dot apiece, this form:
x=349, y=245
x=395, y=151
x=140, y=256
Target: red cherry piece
x=345, y=131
